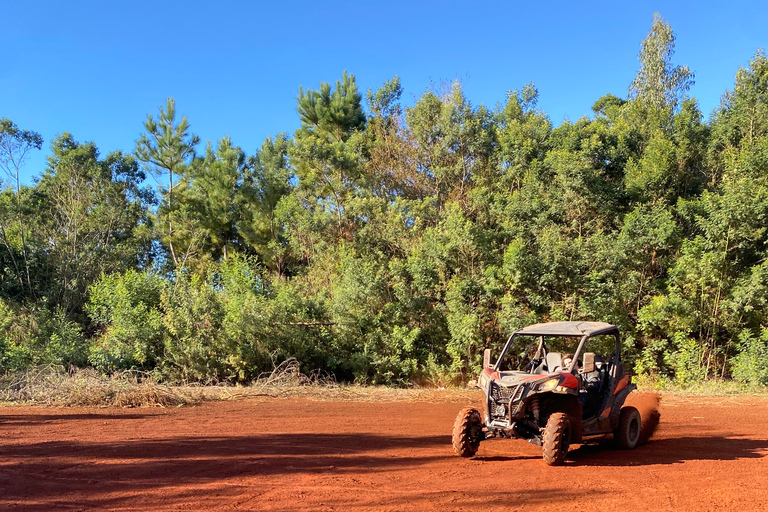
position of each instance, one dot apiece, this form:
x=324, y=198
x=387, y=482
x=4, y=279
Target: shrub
x=654, y=359
x=687, y=360
x=39, y=336
x=127, y=309
x=14, y=351
x=751, y=364
x=194, y=343
x=59, y=341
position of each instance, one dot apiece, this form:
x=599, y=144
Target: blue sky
x=96, y=69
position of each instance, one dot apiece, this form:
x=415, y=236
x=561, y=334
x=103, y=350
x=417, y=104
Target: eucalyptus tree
x=523, y=137
x=716, y=287
x=659, y=83
x=454, y=142
x=92, y=220
x=391, y=168
x=673, y=137
x=740, y=125
x=15, y=145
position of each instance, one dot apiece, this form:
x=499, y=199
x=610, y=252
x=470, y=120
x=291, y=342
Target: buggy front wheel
x=467, y=432
x=556, y=438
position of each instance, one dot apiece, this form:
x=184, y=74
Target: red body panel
x=569, y=381
x=622, y=384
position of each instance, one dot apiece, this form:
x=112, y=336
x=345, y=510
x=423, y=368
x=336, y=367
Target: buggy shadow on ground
x=284, y=454
x=670, y=451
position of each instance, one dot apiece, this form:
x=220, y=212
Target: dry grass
x=54, y=386
x=286, y=380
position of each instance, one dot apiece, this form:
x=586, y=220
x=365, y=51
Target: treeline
x=391, y=244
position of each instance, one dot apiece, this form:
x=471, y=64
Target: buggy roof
x=567, y=329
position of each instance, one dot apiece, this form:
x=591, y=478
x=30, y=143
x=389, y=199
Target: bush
x=751, y=364
x=687, y=360
x=194, y=343
x=39, y=337
x=127, y=309
x=654, y=359
x=249, y=335
x=14, y=351
x=264, y=325
x=59, y=341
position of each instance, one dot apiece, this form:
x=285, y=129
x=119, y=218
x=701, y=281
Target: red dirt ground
x=296, y=454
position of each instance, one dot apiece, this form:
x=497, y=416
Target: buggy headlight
x=548, y=385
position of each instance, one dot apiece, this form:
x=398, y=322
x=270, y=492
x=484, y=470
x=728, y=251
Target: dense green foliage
x=390, y=244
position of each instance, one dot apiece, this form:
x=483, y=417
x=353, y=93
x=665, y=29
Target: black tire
x=630, y=426
x=557, y=438
x=467, y=432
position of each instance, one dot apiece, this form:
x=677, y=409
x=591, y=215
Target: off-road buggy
x=553, y=402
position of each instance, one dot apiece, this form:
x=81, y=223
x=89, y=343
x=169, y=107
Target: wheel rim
x=634, y=430
x=474, y=433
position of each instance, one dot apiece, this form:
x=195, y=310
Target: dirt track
x=296, y=454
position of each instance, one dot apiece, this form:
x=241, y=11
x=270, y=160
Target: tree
x=327, y=151
x=454, y=142
x=740, y=125
x=92, y=219
x=15, y=144
x=167, y=147
x=391, y=170
x=332, y=114
x=523, y=136
x=672, y=137
x=266, y=183
x=659, y=83
x=211, y=202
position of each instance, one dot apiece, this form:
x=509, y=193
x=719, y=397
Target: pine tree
x=167, y=147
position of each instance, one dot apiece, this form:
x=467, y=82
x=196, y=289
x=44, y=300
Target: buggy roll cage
x=584, y=330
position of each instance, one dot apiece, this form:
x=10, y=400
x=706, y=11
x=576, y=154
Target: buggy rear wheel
x=557, y=438
x=467, y=432
x=630, y=425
